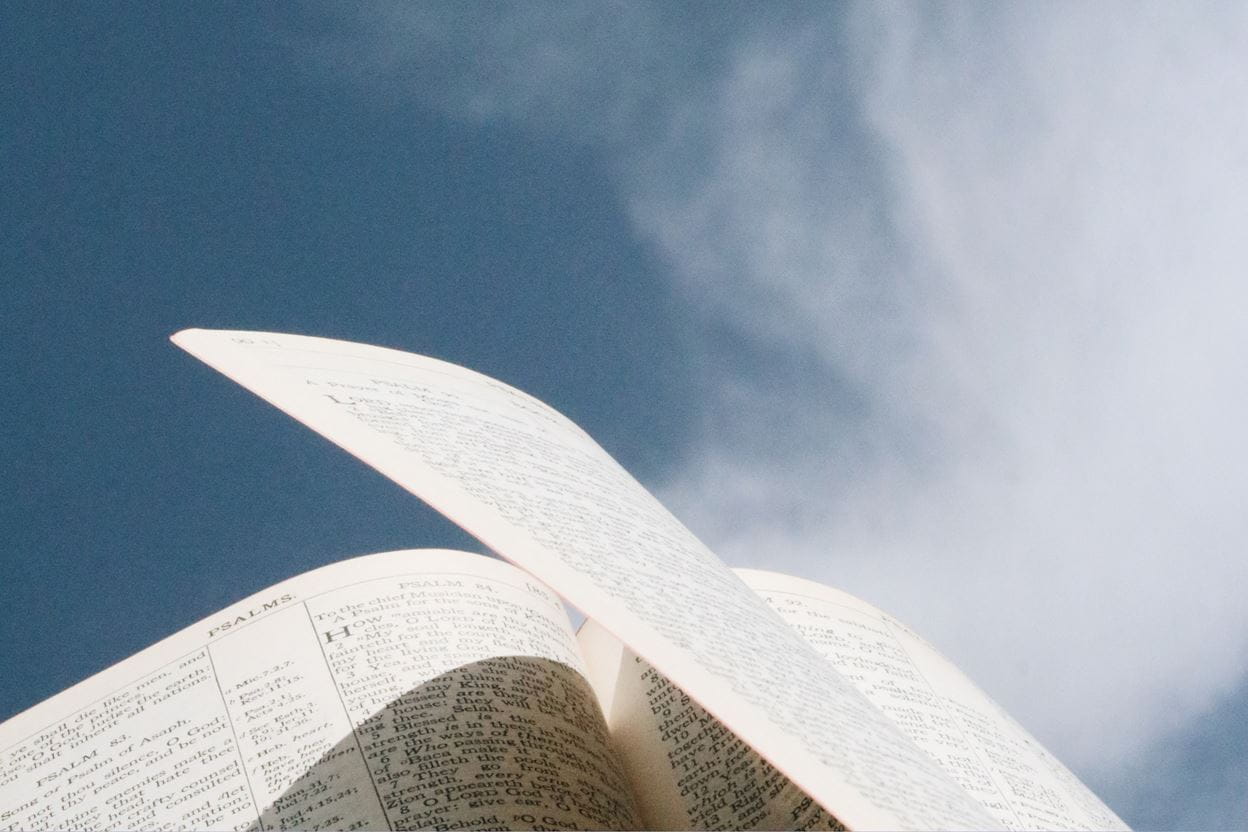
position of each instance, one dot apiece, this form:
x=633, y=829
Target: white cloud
x=1036, y=308
x=582, y=70
x=990, y=257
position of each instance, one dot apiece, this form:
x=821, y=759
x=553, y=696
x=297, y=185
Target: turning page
x=408, y=690
x=538, y=491
x=994, y=758
x=700, y=776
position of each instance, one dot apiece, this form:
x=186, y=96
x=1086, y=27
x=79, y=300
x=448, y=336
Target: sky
x=940, y=304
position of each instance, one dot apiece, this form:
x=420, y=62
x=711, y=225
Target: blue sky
x=941, y=305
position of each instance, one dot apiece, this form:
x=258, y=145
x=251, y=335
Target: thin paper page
x=936, y=705
x=540, y=492
x=689, y=771
x=418, y=689
x=602, y=653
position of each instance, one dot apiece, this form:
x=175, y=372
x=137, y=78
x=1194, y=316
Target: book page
x=538, y=491
x=936, y=705
x=689, y=771
x=603, y=654
x=424, y=689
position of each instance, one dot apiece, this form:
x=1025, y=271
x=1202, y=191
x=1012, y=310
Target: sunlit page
x=406, y=690
x=537, y=490
x=936, y=705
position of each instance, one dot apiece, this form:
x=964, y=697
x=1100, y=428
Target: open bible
x=446, y=690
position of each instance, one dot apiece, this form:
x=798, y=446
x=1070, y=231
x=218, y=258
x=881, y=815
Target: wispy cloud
x=973, y=277
x=1020, y=269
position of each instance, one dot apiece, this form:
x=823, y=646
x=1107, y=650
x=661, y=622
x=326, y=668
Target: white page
x=537, y=490
x=365, y=694
x=937, y=706
x=602, y=654
x=689, y=771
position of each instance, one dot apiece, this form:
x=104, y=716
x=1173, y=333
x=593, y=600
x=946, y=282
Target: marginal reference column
x=298, y=747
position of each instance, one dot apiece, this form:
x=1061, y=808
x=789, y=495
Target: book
x=446, y=690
